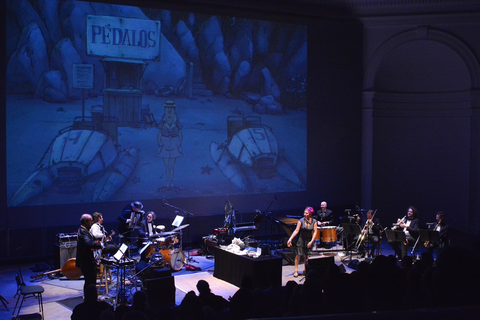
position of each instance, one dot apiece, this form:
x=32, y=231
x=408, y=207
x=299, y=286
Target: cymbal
x=180, y=228
x=165, y=233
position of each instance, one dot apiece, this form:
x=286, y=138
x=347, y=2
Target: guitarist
x=98, y=231
x=85, y=243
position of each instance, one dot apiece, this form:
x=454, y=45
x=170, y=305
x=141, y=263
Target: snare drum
x=161, y=242
x=174, y=259
x=329, y=234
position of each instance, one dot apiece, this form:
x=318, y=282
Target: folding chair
x=24, y=292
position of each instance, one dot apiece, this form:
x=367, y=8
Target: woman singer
x=307, y=231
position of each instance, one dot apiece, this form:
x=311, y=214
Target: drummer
x=324, y=216
x=147, y=227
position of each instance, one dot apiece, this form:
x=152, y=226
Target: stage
x=61, y=294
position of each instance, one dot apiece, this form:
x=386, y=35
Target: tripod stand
x=4, y=302
x=165, y=203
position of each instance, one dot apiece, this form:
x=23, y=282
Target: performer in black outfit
x=442, y=228
x=371, y=230
x=130, y=218
x=410, y=225
x=324, y=216
x=307, y=230
x=85, y=243
x=147, y=227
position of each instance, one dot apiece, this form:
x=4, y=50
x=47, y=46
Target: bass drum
x=174, y=259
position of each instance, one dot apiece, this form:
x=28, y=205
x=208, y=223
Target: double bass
x=69, y=270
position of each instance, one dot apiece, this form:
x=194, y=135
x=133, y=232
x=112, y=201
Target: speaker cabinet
x=160, y=288
x=320, y=264
x=63, y=252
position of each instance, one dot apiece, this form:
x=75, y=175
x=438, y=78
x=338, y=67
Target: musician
x=98, y=231
x=85, y=245
x=442, y=228
x=147, y=227
x=307, y=231
x=371, y=232
x=410, y=225
x=324, y=216
x=130, y=219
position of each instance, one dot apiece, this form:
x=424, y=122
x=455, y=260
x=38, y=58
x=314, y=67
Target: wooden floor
x=58, y=290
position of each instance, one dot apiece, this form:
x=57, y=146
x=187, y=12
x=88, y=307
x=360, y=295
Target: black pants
x=90, y=276
x=404, y=247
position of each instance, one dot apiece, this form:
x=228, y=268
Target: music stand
x=431, y=236
x=121, y=252
x=352, y=229
x=395, y=236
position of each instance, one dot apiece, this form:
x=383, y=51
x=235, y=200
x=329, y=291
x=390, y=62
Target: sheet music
x=177, y=221
x=120, y=253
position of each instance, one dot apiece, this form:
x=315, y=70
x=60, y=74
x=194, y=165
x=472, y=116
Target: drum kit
x=164, y=248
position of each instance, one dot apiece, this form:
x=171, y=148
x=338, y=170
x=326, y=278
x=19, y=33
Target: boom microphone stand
x=165, y=203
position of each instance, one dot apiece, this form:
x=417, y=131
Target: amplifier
x=66, y=238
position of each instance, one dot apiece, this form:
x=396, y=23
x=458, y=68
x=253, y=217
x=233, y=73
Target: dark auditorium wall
x=420, y=107
x=393, y=121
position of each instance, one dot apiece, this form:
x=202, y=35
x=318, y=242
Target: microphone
x=164, y=203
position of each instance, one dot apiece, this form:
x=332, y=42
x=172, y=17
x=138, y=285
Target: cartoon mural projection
x=252, y=146
x=169, y=141
x=75, y=155
x=85, y=89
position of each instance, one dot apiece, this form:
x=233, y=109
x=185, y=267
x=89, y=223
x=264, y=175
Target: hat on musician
x=137, y=205
x=310, y=209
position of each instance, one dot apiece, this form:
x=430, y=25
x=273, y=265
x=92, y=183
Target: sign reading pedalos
x=123, y=37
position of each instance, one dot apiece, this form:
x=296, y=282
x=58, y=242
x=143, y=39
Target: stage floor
x=61, y=294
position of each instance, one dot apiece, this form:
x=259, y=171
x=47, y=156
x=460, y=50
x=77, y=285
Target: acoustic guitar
x=69, y=270
x=97, y=253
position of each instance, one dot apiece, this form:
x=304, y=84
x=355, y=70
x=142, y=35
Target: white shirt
x=97, y=231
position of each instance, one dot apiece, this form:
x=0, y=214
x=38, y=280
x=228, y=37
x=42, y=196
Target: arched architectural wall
x=420, y=128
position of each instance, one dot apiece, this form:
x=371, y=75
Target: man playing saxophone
x=442, y=228
x=410, y=226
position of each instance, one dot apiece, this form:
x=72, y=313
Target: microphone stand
x=165, y=203
x=266, y=213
